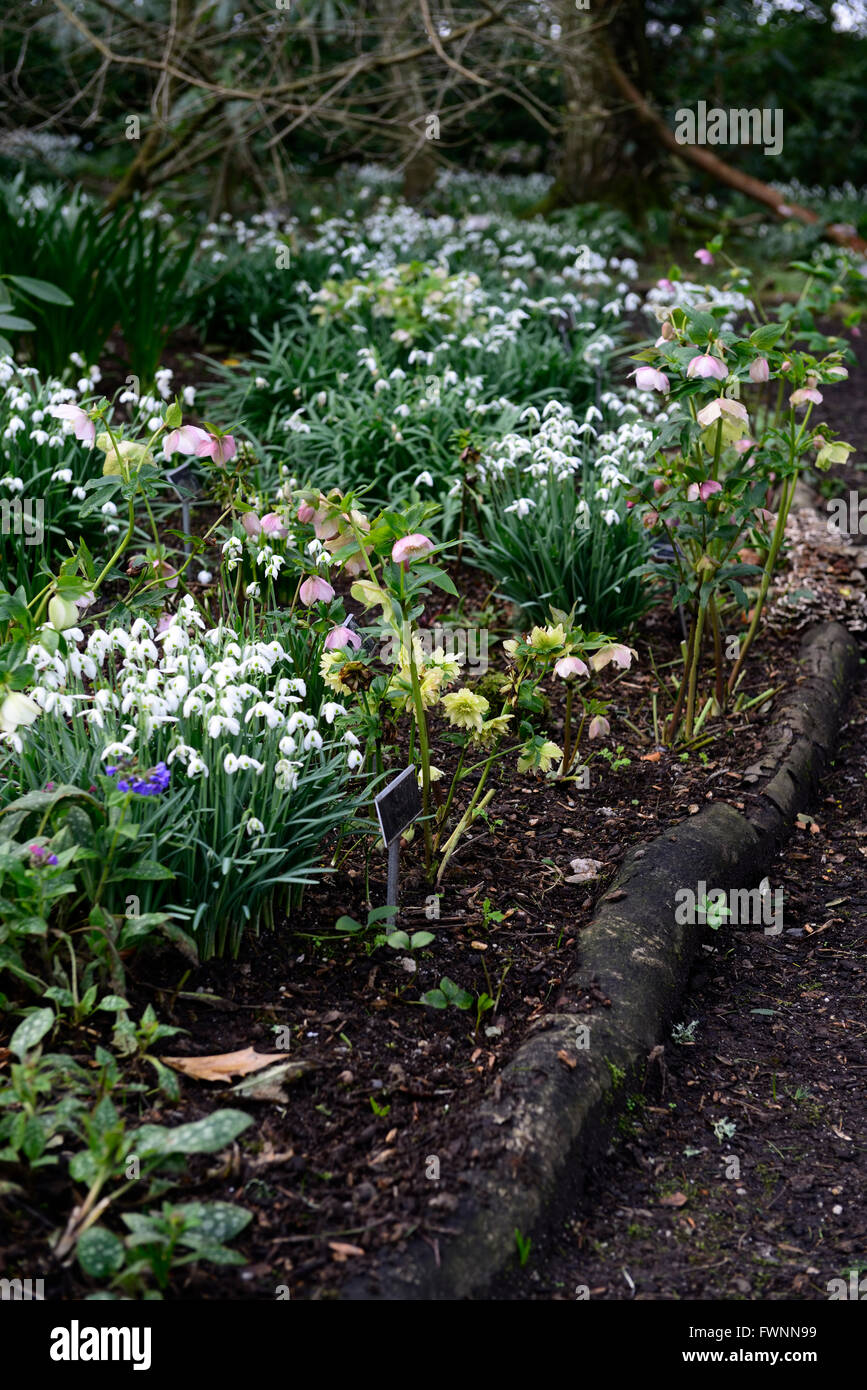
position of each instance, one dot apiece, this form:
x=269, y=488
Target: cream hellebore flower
x=599, y=727
x=62, y=613
x=127, y=458
x=733, y=415
x=368, y=594
x=465, y=709
x=547, y=639
x=17, y=709
x=492, y=729
x=539, y=757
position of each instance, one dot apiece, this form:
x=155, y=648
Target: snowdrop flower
x=286, y=775
x=254, y=826
x=521, y=506
x=424, y=478
x=312, y=741
x=331, y=710
x=354, y=759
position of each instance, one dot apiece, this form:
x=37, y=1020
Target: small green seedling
x=448, y=993
x=401, y=941
x=381, y=1110
x=523, y=1244
x=348, y=926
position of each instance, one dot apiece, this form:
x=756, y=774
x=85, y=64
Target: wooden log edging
x=551, y=1112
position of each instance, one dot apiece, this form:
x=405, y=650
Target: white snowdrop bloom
x=264, y=710
x=204, y=577
x=13, y=484
x=105, y=698
x=253, y=590
x=287, y=745
x=116, y=750
x=141, y=626
x=299, y=720
x=402, y=410
x=286, y=775
x=521, y=506
x=197, y=766
x=79, y=494
x=354, y=759
x=220, y=723
x=254, y=826
x=108, y=509
x=312, y=741
x=189, y=395
x=331, y=709
x=181, y=750
x=350, y=738
x=94, y=717
x=15, y=425
x=424, y=478
x=39, y=437
x=274, y=566
x=611, y=517
x=247, y=764
x=295, y=424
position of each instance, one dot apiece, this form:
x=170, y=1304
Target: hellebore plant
x=716, y=480
x=400, y=674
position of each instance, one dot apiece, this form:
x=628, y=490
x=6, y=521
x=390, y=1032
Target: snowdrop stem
x=120, y=549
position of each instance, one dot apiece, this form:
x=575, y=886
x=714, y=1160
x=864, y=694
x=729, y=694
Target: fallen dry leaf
x=675, y=1199
x=268, y=1084
x=567, y=1061
x=651, y=757
x=342, y=1251
x=222, y=1066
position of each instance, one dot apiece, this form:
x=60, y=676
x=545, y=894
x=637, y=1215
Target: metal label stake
x=186, y=485
x=397, y=806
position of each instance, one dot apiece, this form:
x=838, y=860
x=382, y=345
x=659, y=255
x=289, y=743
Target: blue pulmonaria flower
x=110, y=771
x=52, y=859
x=123, y=786
x=155, y=783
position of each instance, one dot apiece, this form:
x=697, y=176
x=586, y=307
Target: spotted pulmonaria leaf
x=100, y=1252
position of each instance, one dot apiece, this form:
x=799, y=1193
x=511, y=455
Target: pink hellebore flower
x=806, y=393
x=272, y=525
x=220, y=449
x=650, y=379
x=704, y=256
x=85, y=601
x=306, y=513
x=660, y=485
x=760, y=370
x=316, y=590
x=163, y=570
x=342, y=637
x=186, y=440
x=569, y=666
x=707, y=365
x=620, y=655
x=665, y=284
x=708, y=489
x=599, y=727
x=251, y=524
x=742, y=445
x=82, y=426
x=410, y=548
